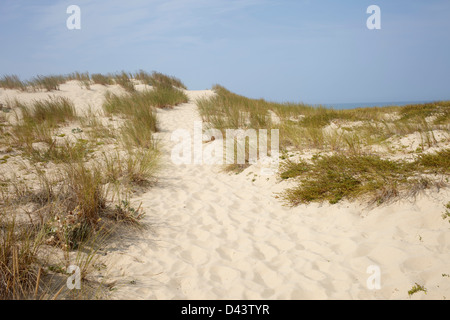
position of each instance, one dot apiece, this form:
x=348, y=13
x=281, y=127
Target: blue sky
x=315, y=51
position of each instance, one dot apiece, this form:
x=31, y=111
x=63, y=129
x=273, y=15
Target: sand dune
x=216, y=235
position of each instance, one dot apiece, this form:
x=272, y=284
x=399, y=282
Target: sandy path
x=221, y=236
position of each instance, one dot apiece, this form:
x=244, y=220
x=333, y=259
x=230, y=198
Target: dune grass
x=135, y=167
x=139, y=110
x=446, y=214
x=124, y=80
x=349, y=168
x=63, y=152
x=19, y=247
x=437, y=162
x=304, y=127
x=48, y=83
x=79, y=76
x=165, y=96
x=74, y=211
x=53, y=111
x=227, y=110
x=141, y=118
x=86, y=191
x=94, y=128
x=75, y=196
x=37, y=83
x=335, y=177
x=37, y=122
x=12, y=82
x=160, y=79
x=157, y=79
x=101, y=79
x=82, y=77
x=66, y=206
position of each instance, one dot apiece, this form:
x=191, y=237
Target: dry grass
x=19, y=247
x=305, y=127
x=157, y=79
x=139, y=110
x=124, y=80
x=47, y=83
x=12, y=82
x=37, y=122
x=134, y=167
x=335, y=177
x=76, y=197
x=353, y=170
x=104, y=80
x=95, y=129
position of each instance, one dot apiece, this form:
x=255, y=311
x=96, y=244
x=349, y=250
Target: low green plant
x=437, y=162
x=336, y=177
x=290, y=169
x=446, y=214
x=124, y=212
x=417, y=288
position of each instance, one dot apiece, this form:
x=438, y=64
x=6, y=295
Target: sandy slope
x=219, y=236
x=215, y=235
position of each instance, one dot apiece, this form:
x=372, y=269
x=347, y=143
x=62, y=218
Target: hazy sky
x=315, y=51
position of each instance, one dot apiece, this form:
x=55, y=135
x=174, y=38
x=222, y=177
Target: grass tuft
x=12, y=82
x=332, y=178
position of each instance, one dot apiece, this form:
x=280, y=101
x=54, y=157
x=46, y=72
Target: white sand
x=215, y=235
x=224, y=236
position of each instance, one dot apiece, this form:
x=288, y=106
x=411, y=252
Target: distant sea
x=341, y=106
